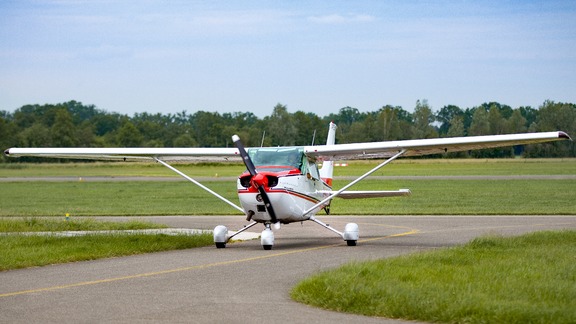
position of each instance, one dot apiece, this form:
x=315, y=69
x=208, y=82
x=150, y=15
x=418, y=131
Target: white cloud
x=341, y=19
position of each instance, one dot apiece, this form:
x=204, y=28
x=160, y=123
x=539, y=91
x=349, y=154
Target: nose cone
x=259, y=180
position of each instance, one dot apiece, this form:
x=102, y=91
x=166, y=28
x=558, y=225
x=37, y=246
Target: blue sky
x=315, y=56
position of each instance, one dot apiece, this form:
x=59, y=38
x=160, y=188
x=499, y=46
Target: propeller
x=259, y=181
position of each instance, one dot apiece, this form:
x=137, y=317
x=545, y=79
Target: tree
x=495, y=121
x=7, y=134
x=74, y=124
x=445, y=117
x=357, y=132
x=516, y=122
x=529, y=113
x=552, y=117
x=129, y=135
x=185, y=140
x=281, y=127
x=63, y=131
x=457, y=130
x=207, y=127
x=308, y=126
x=389, y=124
x=423, y=118
x=505, y=110
x=347, y=115
x=456, y=127
x=36, y=135
x=480, y=124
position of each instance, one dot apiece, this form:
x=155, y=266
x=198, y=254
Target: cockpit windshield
x=277, y=159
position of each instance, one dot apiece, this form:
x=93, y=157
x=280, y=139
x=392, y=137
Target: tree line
x=72, y=124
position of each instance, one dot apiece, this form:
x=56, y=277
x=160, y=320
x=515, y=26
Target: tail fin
x=328, y=166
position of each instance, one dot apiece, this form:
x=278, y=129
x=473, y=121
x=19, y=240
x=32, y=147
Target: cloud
x=341, y=19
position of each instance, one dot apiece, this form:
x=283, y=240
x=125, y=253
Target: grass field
x=401, y=167
x=83, y=198
x=18, y=250
x=526, y=279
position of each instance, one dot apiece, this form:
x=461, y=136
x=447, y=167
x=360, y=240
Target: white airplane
x=283, y=185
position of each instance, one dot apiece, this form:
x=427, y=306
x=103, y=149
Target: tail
x=328, y=166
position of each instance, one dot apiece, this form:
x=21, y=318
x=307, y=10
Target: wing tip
x=564, y=135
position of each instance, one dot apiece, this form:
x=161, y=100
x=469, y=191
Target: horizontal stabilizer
x=371, y=194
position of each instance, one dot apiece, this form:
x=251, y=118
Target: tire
x=351, y=243
x=220, y=245
x=267, y=247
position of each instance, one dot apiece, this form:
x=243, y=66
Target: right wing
x=131, y=153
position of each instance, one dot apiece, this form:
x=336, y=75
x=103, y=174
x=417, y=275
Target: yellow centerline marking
x=197, y=267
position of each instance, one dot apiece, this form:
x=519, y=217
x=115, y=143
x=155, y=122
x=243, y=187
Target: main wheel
x=351, y=242
x=220, y=245
x=267, y=247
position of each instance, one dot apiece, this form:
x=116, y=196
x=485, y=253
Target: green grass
x=526, y=279
x=113, y=198
x=117, y=169
x=465, y=197
x=35, y=224
x=512, y=197
x=21, y=251
x=440, y=197
x=18, y=251
x=401, y=167
x=462, y=167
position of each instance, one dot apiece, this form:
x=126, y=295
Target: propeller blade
x=252, y=169
x=247, y=161
x=267, y=204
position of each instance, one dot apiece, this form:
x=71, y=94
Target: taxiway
x=241, y=283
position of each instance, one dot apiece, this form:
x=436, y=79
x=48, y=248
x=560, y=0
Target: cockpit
x=277, y=159
x=288, y=160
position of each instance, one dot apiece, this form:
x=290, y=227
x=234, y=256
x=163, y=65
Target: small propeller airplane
x=283, y=185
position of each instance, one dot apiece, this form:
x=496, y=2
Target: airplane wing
x=324, y=152
x=131, y=153
x=426, y=146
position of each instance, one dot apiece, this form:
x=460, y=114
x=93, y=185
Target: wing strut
x=321, y=203
x=198, y=184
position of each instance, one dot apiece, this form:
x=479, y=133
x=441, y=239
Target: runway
x=239, y=284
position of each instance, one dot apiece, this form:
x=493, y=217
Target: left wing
x=426, y=146
x=131, y=153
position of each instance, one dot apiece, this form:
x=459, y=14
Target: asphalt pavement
x=241, y=283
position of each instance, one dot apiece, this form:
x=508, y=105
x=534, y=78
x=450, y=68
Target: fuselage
x=292, y=183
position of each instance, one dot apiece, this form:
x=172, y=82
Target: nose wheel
x=267, y=238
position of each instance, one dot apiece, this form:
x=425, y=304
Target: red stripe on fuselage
x=282, y=191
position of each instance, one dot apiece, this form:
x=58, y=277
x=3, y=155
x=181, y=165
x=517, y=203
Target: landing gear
x=220, y=236
x=350, y=234
x=267, y=237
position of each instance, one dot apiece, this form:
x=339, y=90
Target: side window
x=313, y=170
x=303, y=164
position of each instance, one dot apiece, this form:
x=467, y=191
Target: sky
x=135, y=56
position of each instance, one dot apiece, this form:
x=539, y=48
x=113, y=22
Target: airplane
x=283, y=185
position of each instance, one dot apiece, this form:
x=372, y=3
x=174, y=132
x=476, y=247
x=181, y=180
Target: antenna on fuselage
x=262, y=141
x=313, y=137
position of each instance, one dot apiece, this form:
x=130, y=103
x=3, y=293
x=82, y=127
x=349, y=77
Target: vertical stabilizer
x=328, y=166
